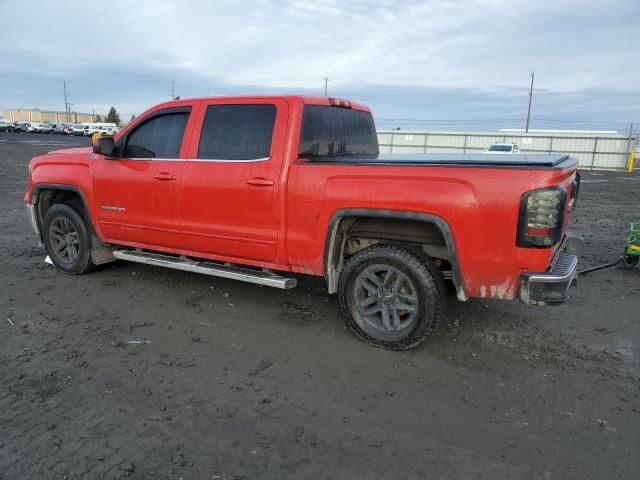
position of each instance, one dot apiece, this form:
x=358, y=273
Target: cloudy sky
x=421, y=64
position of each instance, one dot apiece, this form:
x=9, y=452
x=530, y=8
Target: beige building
x=36, y=115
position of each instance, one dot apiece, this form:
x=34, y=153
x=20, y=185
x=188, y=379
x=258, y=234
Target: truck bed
x=521, y=160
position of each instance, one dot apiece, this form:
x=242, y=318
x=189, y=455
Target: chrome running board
x=233, y=272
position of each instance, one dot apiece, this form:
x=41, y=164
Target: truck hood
x=70, y=167
x=72, y=151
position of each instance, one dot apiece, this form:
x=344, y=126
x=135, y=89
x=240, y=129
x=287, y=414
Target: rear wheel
x=67, y=239
x=391, y=297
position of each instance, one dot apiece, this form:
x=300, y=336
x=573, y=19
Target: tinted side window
x=158, y=137
x=330, y=131
x=237, y=132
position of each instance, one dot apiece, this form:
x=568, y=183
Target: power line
x=451, y=119
x=579, y=121
x=473, y=120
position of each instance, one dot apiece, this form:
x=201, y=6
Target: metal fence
x=597, y=150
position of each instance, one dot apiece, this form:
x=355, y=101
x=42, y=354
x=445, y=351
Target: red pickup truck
x=259, y=188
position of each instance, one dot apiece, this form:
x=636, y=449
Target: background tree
x=133, y=117
x=113, y=117
x=97, y=118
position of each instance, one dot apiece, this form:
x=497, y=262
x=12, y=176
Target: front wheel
x=67, y=239
x=391, y=297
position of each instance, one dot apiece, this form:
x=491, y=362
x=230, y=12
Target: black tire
x=62, y=223
x=629, y=261
x=421, y=290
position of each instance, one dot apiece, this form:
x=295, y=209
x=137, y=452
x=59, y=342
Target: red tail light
x=541, y=217
x=547, y=232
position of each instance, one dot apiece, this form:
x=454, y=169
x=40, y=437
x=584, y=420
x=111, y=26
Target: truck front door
x=230, y=203
x=136, y=193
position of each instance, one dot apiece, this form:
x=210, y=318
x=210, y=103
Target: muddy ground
x=243, y=382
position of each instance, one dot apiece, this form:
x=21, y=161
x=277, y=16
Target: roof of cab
x=305, y=99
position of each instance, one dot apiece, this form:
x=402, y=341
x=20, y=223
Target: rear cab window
x=241, y=132
x=329, y=131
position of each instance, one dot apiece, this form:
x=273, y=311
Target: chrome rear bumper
x=550, y=287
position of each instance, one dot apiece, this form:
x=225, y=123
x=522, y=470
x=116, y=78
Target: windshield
x=500, y=148
x=333, y=131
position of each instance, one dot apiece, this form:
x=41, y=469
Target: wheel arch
x=41, y=201
x=334, y=241
x=55, y=193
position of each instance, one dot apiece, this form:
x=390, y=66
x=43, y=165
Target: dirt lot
x=244, y=382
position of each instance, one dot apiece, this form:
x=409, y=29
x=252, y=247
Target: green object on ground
x=633, y=239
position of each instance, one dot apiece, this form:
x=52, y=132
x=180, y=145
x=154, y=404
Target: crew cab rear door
x=137, y=191
x=230, y=202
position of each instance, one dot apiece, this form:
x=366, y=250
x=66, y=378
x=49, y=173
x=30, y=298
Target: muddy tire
x=67, y=239
x=391, y=297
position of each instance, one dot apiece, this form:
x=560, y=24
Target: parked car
x=259, y=188
x=68, y=130
x=89, y=130
x=78, y=129
x=6, y=126
x=99, y=128
x=60, y=127
x=502, y=148
x=34, y=127
x=21, y=127
x=41, y=128
x=103, y=131
x=109, y=130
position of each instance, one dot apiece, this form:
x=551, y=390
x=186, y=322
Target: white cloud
x=475, y=43
x=486, y=45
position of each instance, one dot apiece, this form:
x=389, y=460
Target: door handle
x=260, y=182
x=164, y=176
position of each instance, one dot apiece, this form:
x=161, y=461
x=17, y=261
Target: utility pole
x=66, y=104
x=326, y=81
x=631, y=149
x=526, y=128
x=173, y=90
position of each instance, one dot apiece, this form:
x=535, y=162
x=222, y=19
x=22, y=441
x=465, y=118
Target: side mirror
x=104, y=146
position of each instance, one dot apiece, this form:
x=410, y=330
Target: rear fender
x=334, y=243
